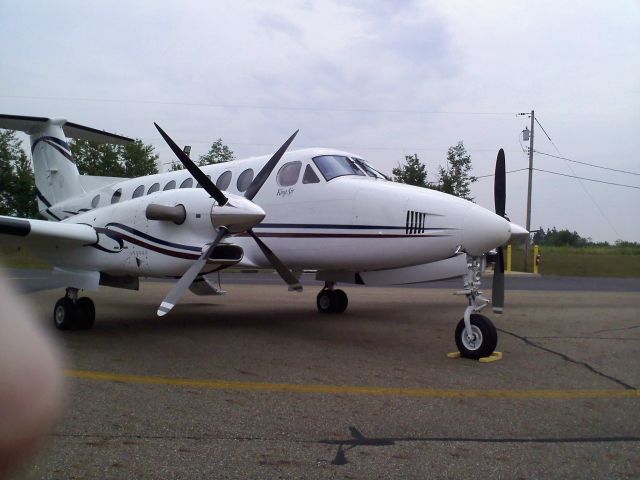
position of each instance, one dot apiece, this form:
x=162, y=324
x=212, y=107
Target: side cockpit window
x=310, y=176
x=332, y=166
x=289, y=173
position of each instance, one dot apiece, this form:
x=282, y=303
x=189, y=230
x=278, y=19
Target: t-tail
x=56, y=174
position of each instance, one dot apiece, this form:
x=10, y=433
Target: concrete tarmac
x=257, y=384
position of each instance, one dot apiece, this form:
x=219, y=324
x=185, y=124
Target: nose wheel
x=332, y=301
x=480, y=340
x=73, y=313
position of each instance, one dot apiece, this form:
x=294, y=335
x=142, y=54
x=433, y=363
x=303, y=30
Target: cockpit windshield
x=332, y=166
x=372, y=172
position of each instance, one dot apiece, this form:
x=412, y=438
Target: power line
x=582, y=185
x=547, y=135
x=354, y=148
x=510, y=171
x=259, y=107
x=587, y=179
x=585, y=163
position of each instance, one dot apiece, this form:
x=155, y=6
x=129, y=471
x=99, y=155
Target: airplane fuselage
x=352, y=221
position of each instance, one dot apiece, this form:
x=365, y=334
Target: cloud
x=364, y=75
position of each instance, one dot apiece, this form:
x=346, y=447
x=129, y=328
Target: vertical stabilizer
x=57, y=177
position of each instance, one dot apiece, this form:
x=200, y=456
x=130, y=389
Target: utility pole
x=527, y=244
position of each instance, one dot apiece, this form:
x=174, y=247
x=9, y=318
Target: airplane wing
x=44, y=234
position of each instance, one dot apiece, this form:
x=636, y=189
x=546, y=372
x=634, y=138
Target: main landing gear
x=73, y=313
x=475, y=336
x=331, y=300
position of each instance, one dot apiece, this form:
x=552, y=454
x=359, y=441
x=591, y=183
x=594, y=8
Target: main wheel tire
x=86, y=313
x=65, y=314
x=325, y=301
x=484, y=337
x=340, y=300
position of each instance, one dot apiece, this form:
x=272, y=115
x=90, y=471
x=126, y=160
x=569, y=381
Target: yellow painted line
x=349, y=389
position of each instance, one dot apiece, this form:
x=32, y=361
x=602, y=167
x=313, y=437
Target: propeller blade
x=284, y=272
x=194, y=170
x=497, y=289
x=189, y=276
x=499, y=186
x=262, y=176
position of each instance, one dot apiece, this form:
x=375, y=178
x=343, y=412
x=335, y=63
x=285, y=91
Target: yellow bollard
x=509, y=258
x=536, y=259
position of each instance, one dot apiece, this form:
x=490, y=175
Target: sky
x=380, y=79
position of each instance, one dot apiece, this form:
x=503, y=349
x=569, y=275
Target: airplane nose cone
x=483, y=230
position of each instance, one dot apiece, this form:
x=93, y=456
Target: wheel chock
x=494, y=357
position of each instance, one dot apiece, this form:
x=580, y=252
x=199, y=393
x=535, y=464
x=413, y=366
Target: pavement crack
x=567, y=358
x=617, y=329
x=583, y=337
x=357, y=439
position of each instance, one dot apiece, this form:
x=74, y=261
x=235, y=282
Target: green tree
x=24, y=203
x=558, y=238
x=413, y=172
x=455, y=179
x=9, y=146
x=218, y=153
x=93, y=158
x=17, y=185
x=103, y=159
x=138, y=159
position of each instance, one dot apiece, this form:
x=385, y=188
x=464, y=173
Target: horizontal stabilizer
x=33, y=125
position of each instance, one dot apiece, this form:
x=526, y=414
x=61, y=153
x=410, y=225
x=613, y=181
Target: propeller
x=499, y=197
x=189, y=276
x=250, y=220
x=193, y=169
x=267, y=169
x=285, y=273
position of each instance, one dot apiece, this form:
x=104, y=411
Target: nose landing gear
x=72, y=313
x=475, y=335
x=331, y=300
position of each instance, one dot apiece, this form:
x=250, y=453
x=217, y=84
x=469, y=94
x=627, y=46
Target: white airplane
x=323, y=209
